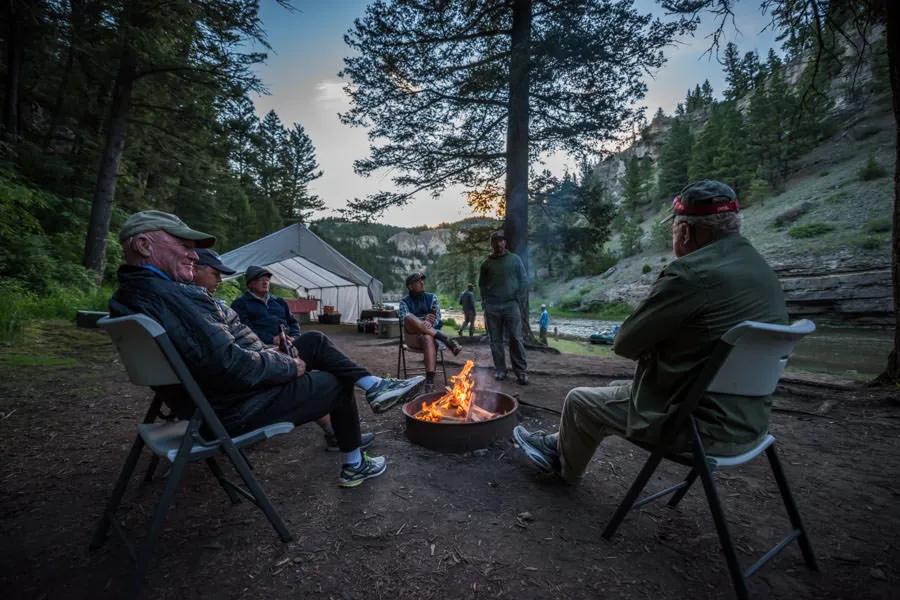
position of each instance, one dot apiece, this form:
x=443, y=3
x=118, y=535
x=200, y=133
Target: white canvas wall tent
x=302, y=261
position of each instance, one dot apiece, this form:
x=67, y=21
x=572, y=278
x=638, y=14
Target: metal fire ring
x=462, y=437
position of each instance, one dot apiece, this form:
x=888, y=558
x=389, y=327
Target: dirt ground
x=434, y=525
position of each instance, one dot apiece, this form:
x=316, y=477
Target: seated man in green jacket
x=717, y=281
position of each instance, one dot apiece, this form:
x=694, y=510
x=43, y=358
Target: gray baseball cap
x=703, y=198
x=156, y=220
x=254, y=272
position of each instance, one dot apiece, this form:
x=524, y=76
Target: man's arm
x=673, y=299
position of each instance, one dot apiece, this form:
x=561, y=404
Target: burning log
x=458, y=404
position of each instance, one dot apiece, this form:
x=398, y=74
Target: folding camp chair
x=747, y=361
x=404, y=348
x=151, y=359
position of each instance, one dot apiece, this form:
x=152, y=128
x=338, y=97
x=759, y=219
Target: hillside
x=827, y=234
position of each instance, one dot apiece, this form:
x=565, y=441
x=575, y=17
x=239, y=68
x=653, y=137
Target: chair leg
x=688, y=482
x=399, y=356
x=793, y=514
x=118, y=491
x=146, y=551
x=243, y=469
x=631, y=497
x=444, y=369
x=151, y=469
x=712, y=498
x=220, y=477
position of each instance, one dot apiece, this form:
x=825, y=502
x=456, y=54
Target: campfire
x=458, y=404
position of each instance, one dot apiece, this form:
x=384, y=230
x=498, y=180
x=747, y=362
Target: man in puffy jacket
x=248, y=384
x=208, y=273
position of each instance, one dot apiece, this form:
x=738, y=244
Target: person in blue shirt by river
x=544, y=324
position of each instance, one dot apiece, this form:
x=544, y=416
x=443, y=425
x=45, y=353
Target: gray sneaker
x=371, y=466
x=392, y=391
x=540, y=448
x=331, y=442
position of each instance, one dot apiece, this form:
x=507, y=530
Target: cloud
x=331, y=92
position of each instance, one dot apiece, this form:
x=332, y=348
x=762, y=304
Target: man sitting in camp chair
x=248, y=384
x=208, y=273
x=420, y=314
x=717, y=281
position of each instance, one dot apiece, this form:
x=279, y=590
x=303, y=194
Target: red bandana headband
x=698, y=210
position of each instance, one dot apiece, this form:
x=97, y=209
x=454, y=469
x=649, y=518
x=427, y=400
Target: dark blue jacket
x=265, y=318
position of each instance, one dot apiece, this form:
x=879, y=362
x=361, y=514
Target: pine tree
x=298, y=168
x=632, y=185
x=730, y=164
x=675, y=158
x=706, y=146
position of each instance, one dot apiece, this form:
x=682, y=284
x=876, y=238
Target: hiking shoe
x=500, y=374
x=454, y=346
x=521, y=378
x=331, y=443
x=392, y=391
x=539, y=447
x=369, y=467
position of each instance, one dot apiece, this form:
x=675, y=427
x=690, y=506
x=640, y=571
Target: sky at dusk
x=307, y=53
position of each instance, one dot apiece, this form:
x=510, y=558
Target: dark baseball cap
x=498, y=235
x=414, y=277
x=254, y=272
x=209, y=258
x=156, y=220
x=703, y=198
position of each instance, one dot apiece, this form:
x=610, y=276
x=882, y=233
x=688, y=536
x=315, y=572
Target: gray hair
x=130, y=249
x=718, y=225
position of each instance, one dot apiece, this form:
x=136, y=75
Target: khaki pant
x=589, y=415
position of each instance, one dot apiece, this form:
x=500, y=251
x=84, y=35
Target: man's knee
x=312, y=337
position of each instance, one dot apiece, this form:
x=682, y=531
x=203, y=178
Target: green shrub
x=870, y=242
x=609, y=310
x=810, y=230
x=570, y=300
x=882, y=225
x=646, y=269
x=871, y=170
x=19, y=305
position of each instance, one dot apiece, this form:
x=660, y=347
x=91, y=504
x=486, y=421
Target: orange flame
x=456, y=404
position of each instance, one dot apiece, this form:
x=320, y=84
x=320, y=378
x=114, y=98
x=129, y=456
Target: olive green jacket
x=695, y=300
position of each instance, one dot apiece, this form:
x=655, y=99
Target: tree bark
x=516, y=223
x=892, y=373
x=14, y=52
x=114, y=144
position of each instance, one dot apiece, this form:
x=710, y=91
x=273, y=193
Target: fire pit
x=461, y=418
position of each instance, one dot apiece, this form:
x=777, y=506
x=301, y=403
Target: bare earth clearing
x=435, y=525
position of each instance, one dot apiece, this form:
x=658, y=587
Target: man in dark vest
x=504, y=289
x=717, y=281
x=420, y=314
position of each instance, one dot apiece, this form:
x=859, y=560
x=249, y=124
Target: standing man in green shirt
x=717, y=281
x=504, y=289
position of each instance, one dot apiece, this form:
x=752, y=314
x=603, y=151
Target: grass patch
x=603, y=311
x=580, y=348
x=869, y=242
x=19, y=306
x=882, y=225
x=36, y=360
x=810, y=230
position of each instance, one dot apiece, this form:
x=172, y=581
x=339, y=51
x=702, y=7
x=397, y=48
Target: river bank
x=857, y=353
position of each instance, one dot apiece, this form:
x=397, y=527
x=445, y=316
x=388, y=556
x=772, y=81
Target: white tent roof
x=302, y=261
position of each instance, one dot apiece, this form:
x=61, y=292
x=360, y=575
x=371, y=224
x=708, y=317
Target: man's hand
x=301, y=366
x=430, y=318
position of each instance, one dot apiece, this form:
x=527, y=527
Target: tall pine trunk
x=14, y=51
x=516, y=222
x=105, y=190
x=892, y=372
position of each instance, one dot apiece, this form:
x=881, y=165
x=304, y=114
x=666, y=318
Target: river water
x=845, y=352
